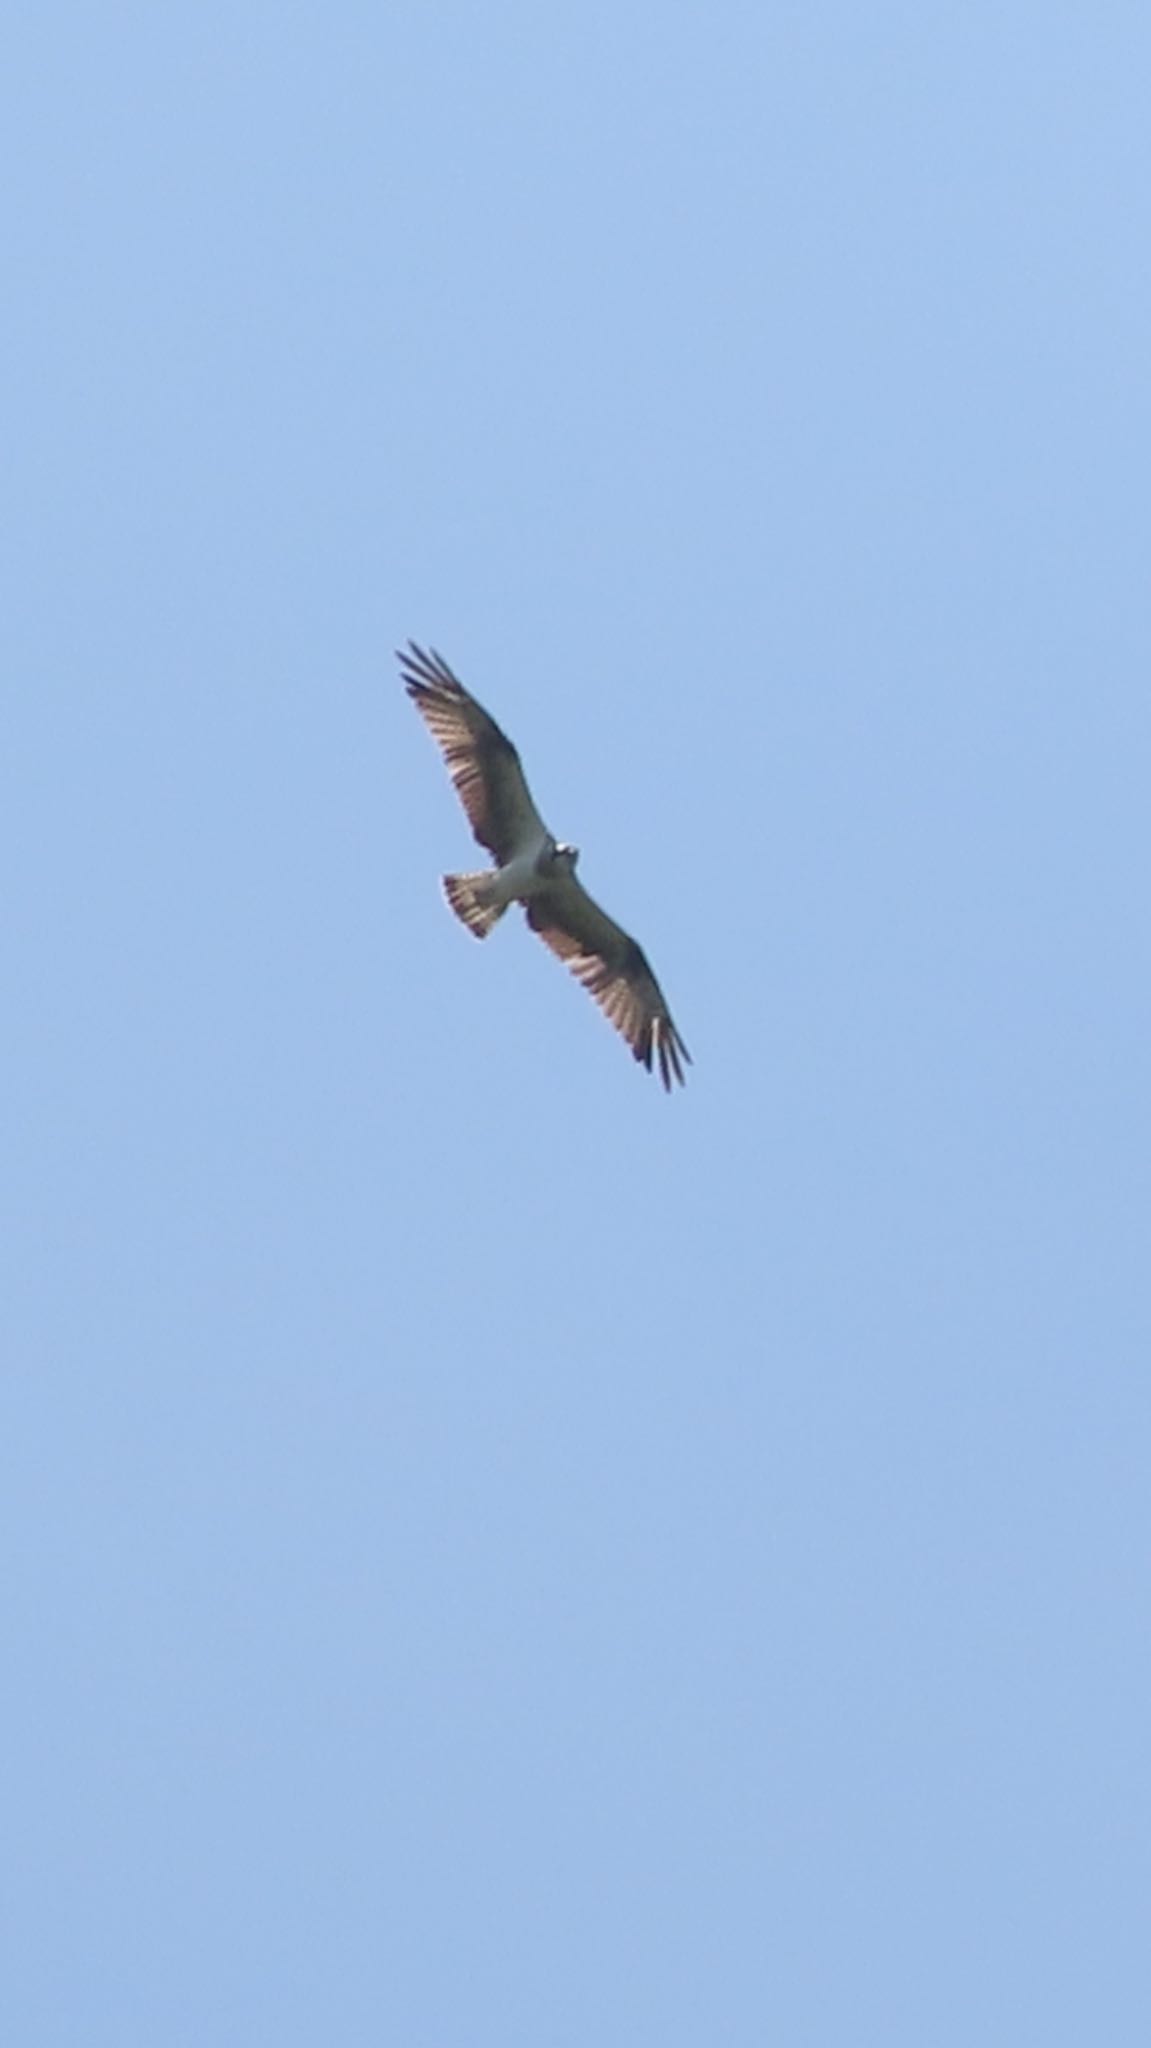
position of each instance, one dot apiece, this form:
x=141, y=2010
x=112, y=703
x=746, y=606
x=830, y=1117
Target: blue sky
x=492, y=1554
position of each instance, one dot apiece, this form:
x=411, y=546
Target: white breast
x=518, y=880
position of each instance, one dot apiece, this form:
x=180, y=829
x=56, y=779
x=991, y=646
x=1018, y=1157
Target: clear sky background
x=491, y=1554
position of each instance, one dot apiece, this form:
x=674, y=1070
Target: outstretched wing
x=482, y=761
x=614, y=970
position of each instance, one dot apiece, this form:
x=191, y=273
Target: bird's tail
x=469, y=896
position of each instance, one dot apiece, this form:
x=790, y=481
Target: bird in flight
x=534, y=869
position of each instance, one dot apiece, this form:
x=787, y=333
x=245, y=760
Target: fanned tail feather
x=468, y=896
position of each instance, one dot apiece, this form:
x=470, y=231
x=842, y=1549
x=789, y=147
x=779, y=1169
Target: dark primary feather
x=614, y=970
x=481, y=759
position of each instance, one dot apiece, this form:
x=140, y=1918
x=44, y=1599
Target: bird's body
x=533, y=868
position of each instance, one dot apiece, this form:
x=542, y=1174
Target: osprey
x=534, y=869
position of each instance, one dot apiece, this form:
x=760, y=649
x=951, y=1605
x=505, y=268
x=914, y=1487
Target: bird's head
x=566, y=856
